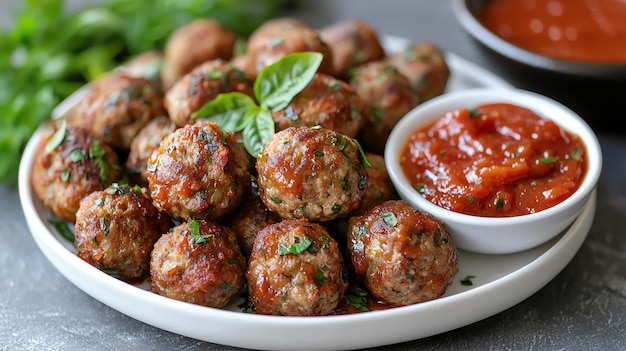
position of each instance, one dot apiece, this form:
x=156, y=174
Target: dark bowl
x=466, y=10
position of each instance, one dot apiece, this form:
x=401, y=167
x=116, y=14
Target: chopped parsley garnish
x=65, y=175
x=196, y=235
x=389, y=218
x=467, y=281
x=576, y=153
x=419, y=188
x=320, y=278
x=57, y=138
x=366, y=162
x=472, y=200
x=296, y=248
x=336, y=208
x=475, y=113
x=357, y=298
x=547, y=160
x=342, y=143
x=500, y=204
x=97, y=152
x=63, y=229
x=77, y=155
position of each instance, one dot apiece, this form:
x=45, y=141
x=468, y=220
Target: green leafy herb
x=467, y=281
x=475, y=113
x=320, y=278
x=77, y=155
x=366, y=162
x=576, y=153
x=547, y=160
x=57, y=138
x=50, y=52
x=65, y=175
x=296, y=248
x=357, y=298
x=500, y=204
x=389, y=218
x=63, y=229
x=472, y=200
x=196, y=235
x=274, y=88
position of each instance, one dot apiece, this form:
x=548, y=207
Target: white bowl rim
x=436, y=107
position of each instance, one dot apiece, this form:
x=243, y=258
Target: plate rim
x=365, y=330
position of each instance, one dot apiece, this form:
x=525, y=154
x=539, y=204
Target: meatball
x=197, y=172
x=249, y=218
x=389, y=95
x=403, y=256
x=69, y=165
x=296, y=269
x=282, y=36
x=311, y=172
x=116, y=107
x=246, y=64
x=116, y=229
x=426, y=68
x=198, y=262
x=352, y=43
x=379, y=185
x=202, y=85
x=190, y=45
x=143, y=144
x=147, y=65
x=325, y=101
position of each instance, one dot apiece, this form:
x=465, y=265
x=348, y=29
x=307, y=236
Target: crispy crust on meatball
x=402, y=255
x=296, y=269
x=312, y=173
x=327, y=102
x=117, y=106
x=116, y=229
x=78, y=166
x=198, y=262
x=282, y=36
x=190, y=45
x=197, y=172
x=202, y=85
x=353, y=43
x=426, y=68
x=144, y=144
x=389, y=95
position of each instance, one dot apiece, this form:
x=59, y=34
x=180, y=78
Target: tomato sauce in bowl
x=577, y=30
x=496, y=160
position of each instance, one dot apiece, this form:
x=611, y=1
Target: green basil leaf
x=57, y=138
x=258, y=132
x=279, y=82
x=230, y=111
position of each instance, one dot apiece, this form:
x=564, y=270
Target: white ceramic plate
x=500, y=282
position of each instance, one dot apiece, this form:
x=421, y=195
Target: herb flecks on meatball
x=402, y=255
x=198, y=172
x=198, y=262
x=296, y=269
x=116, y=229
x=312, y=173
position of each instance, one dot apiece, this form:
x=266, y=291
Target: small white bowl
x=503, y=235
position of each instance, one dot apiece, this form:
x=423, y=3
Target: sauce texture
x=497, y=160
x=577, y=30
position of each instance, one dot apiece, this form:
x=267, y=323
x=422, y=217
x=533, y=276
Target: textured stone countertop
x=582, y=308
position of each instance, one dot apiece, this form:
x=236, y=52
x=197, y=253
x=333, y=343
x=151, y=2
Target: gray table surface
x=582, y=308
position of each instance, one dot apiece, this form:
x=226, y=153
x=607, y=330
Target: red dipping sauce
x=497, y=160
x=578, y=30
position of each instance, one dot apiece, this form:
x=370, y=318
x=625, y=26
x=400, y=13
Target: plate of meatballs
x=170, y=220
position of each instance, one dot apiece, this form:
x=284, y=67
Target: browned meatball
x=202, y=85
x=116, y=229
x=426, y=68
x=279, y=37
x=402, y=255
x=198, y=262
x=147, y=65
x=296, y=269
x=192, y=44
x=379, y=185
x=312, y=173
x=144, y=143
x=249, y=218
x=77, y=165
x=327, y=102
x=246, y=64
x=352, y=42
x=389, y=95
x=198, y=172
x=117, y=106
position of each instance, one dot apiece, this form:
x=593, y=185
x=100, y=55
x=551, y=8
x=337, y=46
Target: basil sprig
x=274, y=88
